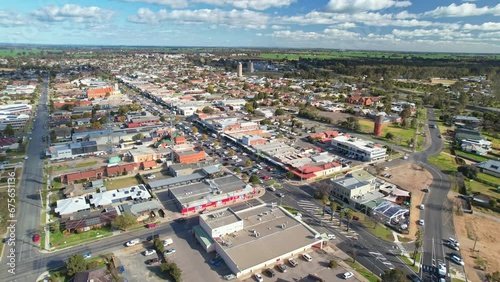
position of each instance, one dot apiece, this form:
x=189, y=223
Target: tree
x=231, y=152
x=333, y=263
x=172, y=269
x=333, y=208
x=204, y=137
x=405, y=113
x=75, y=264
x=279, y=112
x=468, y=171
x=493, y=277
x=348, y=214
x=389, y=135
x=418, y=245
x=124, y=221
x=341, y=214
x=67, y=107
x=249, y=107
x=55, y=227
x=208, y=110
x=194, y=129
x=216, y=143
x=393, y=275
x=248, y=162
x=138, y=136
x=8, y=131
x=325, y=202
x=158, y=245
x=254, y=179
x=290, y=174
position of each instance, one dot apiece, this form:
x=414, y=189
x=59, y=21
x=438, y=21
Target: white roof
x=138, y=192
x=71, y=205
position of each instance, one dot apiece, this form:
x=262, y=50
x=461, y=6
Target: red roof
x=149, y=164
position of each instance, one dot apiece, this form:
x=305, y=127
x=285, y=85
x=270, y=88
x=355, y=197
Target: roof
x=71, y=205
x=220, y=218
x=138, y=192
x=176, y=180
x=91, y=219
x=144, y=206
x=211, y=169
x=149, y=164
x=490, y=165
x=93, y=275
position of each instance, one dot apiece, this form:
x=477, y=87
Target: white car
x=132, y=242
x=452, y=241
x=456, y=259
x=258, y=277
x=442, y=269
x=421, y=206
x=421, y=222
x=293, y=262
x=169, y=251
x=87, y=255
x=149, y=252
x=332, y=236
x=307, y=257
x=347, y=275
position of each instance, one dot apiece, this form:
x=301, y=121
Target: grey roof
x=490, y=165
x=211, y=169
x=176, y=180
x=350, y=183
x=140, y=207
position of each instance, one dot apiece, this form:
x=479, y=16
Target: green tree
x=248, y=162
x=138, y=136
x=405, y=113
x=231, y=152
x=254, y=179
x=393, y=275
x=208, y=110
x=325, y=202
x=204, y=137
x=279, y=112
x=290, y=174
x=468, y=171
x=158, y=245
x=8, y=131
x=194, y=129
x=333, y=263
x=67, y=107
x=249, y=107
x=333, y=208
x=124, y=221
x=493, y=277
x=55, y=227
x=389, y=135
x=75, y=264
x=172, y=269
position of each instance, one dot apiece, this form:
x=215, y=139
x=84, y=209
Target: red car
x=266, y=177
x=36, y=238
x=152, y=225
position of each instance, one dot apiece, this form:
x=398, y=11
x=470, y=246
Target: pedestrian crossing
x=380, y=257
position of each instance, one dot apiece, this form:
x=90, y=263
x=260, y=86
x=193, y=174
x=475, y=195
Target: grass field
x=444, y=161
x=78, y=165
x=61, y=240
x=113, y=184
x=25, y=52
x=363, y=271
x=471, y=156
x=377, y=229
x=403, y=135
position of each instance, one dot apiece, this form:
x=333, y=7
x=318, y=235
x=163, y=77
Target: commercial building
x=354, y=185
x=255, y=238
x=143, y=154
x=251, y=140
x=16, y=121
x=210, y=193
x=73, y=150
x=15, y=109
x=359, y=149
x=99, y=93
x=190, y=156
x=106, y=198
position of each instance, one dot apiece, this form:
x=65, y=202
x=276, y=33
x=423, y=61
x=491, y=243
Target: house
x=9, y=143
x=83, y=175
x=93, y=275
x=86, y=220
x=491, y=167
x=119, y=169
x=62, y=133
x=77, y=190
x=467, y=122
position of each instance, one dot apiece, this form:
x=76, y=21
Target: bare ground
x=468, y=227
x=412, y=178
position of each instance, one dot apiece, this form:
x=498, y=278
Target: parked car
x=153, y=261
x=442, y=269
x=281, y=195
x=347, y=275
x=149, y=176
x=293, y=262
x=258, y=277
x=149, y=252
x=307, y=257
x=414, y=278
x=229, y=277
x=282, y=267
x=266, y=177
x=332, y=236
x=169, y=251
x=152, y=225
x=36, y=238
x=87, y=255
x=180, y=220
x=271, y=188
x=452, y=241
x=421, y=222
x=456, y=258
x=422, y=206
x=270, y=272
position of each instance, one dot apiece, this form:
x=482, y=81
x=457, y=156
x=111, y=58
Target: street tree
x=138, y=136
x=254, y=179
x=76, y=263
x=333, y=208
x=204, y=137
x=8, y=131
x=325, y=202
x=231, y=152
x=418, y=245
x=290, y=174
x=393, y=275
x=248, y=162
x=124, y=221
x=348, y=214
x=194, y=129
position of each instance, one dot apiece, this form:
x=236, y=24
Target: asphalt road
x=29, y=204
x=438, y=217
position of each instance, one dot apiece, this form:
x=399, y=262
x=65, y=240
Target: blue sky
x=399, y=25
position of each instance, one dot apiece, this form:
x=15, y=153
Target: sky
x=471, y=26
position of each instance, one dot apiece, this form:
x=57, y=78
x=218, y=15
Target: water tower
x=377, y=128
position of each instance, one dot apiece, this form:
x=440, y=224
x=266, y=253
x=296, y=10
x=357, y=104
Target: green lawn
x=60, y=240
x=471, y=156
x=482, y=188
x=494, y=140
x=112, y=184
x=291, y=210
x=78, y=165
x=444, y=161
x=402, y=134
x=377, y=229
x=489, y=178
x=363, y=271
x=409, y=263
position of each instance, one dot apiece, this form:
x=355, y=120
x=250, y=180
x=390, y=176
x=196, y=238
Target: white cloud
x=443, y=34
x=171, y=3
x=10, y=19
x=346, y=25
x=234, y=18
x=277, y=27
x=352, y=6
x=405, y=15
x=248, y=4
x=71, y=12
x=463, y=10
x=485, y=26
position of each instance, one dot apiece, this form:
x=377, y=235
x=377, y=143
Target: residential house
x=491, y=167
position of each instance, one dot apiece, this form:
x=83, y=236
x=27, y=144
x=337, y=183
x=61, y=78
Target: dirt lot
x=413, y=178
x=470, y=226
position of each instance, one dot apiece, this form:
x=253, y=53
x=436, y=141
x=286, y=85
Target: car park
x=347, y=275
x=149, y=252
x=269, y=272
x=307, y=257
x=293, y=262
